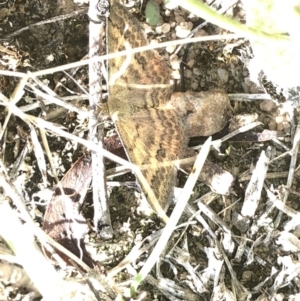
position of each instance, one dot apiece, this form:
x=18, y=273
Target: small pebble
x=50, y=58
x=173, y=36
x=223, y=75
x=272, y=125
x=194, y=86
x=197, y=71
x=191, y=63
x=279, y=122
x=203, y=83
x=267, y=105
x=175, y=61
x=170, y=48
x=176, y=74
x=165, y=28
x=245, y=88
x=254, y=89
x=158, y=30
x=201, y=33
x=154, y=42
x=179, y=19
x=184, y=29
x=188, y=73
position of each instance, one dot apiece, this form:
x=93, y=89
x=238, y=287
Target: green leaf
x=152, y=13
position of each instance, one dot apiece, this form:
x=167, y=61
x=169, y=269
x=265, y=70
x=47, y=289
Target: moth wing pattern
x=151, y=137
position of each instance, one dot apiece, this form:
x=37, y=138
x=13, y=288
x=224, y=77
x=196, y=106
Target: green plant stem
x=203, y=11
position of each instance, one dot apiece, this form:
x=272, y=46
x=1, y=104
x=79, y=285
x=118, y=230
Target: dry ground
x=231, y=253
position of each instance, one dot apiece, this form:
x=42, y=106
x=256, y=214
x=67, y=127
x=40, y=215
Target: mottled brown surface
x=152, y=127
x=150, y=133
x=205, y=113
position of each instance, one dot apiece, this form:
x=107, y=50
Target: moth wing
x=151, y=137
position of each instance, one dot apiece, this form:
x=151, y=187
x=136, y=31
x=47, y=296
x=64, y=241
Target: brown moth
x=139, y=85
x=62, y=220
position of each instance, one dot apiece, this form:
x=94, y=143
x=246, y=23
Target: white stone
x=223, y=75
x=184, y=29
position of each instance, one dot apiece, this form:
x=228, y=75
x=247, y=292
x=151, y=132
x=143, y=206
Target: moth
x=151, y=130
x=63, y=221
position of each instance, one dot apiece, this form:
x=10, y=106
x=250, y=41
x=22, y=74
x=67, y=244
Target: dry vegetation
x=238, y=238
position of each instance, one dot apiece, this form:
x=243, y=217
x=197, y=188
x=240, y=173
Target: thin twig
x=290, y=178
x=102, y=221
x=126, y=52
x=174, y=218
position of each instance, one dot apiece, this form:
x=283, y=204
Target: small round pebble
x=179, y=19
x=188, y=73
x=175, y=61
x=165, y=28
x=194, y=86
x=176, y=74
x=267, y=105
x=184, y=29
x=223, y=75
x=197, y=71
x=170, y=48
